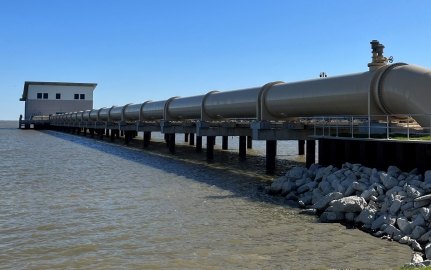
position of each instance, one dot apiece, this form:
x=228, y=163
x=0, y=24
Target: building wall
x=67, y=92
x=47, y=107
x=51, y=105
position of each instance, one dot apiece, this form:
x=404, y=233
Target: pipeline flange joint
x=377, y=86
x=261, y=111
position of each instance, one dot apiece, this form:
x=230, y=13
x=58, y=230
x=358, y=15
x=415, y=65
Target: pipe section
x=390, y=89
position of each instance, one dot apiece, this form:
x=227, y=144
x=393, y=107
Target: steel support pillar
x=192, y=139
x=224, y=142
x=198, y=143
x=249, y=142
x=301, y=147
x=171, y=142
x=147, y=138
x=310, y=157
x=271, y=152
x=210, y=148
x=242, y=147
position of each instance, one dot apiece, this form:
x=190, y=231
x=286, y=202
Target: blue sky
x=155, y=49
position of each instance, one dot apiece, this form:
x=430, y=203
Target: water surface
x=73, y=202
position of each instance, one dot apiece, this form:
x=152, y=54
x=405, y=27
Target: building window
x=82, y=96
x=45, y=95
x=39, y=95
x=76, y=96
x=58, y=96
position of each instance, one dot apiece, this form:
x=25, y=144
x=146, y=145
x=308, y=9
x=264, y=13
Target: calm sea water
x=69, y=202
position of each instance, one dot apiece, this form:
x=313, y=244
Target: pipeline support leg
x=147, y=139
x=210, y=148
x=224, y=142
x=310, y=157
x=171, y=142
x=198, y=144
x=249, y=142
x=242, y=147
x=192, y=139
x=271, y=152
x=301, y=147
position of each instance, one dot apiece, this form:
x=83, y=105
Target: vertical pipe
x=92, y=132
x=242, y=147
x=198, y=143
x=171, y=143
x=192, y=139
x=224, y=143
x=166, y=137
x=271, y=152
x=186, y=137
x=249, y=142
x=301, y=147
x=210, y=148
x=121, y=133
x=310, y=157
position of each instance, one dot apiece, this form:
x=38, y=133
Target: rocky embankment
x=392, y=205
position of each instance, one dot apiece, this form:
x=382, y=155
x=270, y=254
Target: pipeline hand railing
x=389, y=127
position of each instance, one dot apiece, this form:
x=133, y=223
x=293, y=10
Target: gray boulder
x=395, y=207
x=309, y=186
x=391, y=230
x=425, y=212
x=424, y=198
x=324, y=202
x=425, y=237
x=417, y=258
x=415, y=245
x=367, y=216
x=377, y=223
x=413, y=191
x=326, y=187
x=366, y=194
x=417, y=232
x=388, y=181
x=418, y=221
x=427, y=176
x=287, y=187
x=428, y=251
x=350, y=204
x=297, y=172
x=277, y=184
x=404, y=240
x=317, y=196
x=323, y=172
x=394, y=171
x=404, y=225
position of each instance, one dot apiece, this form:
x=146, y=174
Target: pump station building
x=47, y=98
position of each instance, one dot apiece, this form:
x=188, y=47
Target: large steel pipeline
x=391, y=89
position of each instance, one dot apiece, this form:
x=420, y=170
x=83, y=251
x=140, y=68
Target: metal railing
x=388, y=127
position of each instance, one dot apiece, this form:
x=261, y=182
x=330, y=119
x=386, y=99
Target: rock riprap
x=393, y=204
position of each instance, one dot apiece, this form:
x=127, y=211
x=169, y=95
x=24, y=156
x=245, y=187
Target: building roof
x=28, y=83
